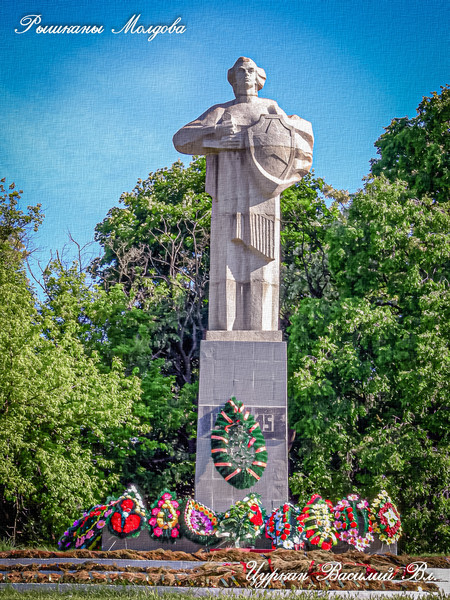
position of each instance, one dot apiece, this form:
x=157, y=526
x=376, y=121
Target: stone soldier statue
x=254, y=151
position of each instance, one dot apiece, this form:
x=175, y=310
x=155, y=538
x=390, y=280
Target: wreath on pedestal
x=164, y=521
x=85, y=533
x=316, y=522
x=283, y=529
x=243, y=522
x=346, y=513
x=129, y=515
x=238, y=446
x=198, y=522
x=385, y=519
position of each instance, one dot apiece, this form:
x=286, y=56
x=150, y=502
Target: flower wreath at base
x=238, y=446
x=346, y=513
x=164, y=522
x=198, y=522
x=282, y=528
x=316, y=523
x=243, y=522
x=129, y=515
x=385, y=519
x=85, y=533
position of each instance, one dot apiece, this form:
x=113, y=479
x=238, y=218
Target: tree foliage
x=370, y=363
x=15, y=225
x=417, y=150
x=157, y=247
x=57, y=409
x=306, y=218
x=154, y=273
x=154, y=451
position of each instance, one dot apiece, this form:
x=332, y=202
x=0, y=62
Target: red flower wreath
x=346, y=513
x=317, y=523
x=128, y=516
x=385, y=518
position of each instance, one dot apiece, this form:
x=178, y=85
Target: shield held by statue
x=271, y=142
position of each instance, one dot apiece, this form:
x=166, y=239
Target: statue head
x=245, y=77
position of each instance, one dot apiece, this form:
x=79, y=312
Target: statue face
x=245, y=79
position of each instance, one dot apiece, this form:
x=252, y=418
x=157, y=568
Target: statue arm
x=304, y=129
x=201, y=136
x=191, y=138
x=210, y=133
x=304, y=139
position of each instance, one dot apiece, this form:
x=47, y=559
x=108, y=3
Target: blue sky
x=85, y=116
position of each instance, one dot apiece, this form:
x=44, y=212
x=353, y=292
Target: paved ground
x=443, y=579
x=64, y=587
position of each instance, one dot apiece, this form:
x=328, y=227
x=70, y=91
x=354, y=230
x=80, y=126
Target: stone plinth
x=144, y=542
x=244, y=336
x=256, y=374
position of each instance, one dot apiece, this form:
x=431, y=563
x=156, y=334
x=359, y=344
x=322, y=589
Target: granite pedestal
x=255, y=372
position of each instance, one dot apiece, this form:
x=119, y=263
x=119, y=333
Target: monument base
x=255, y=372
x=244, y=335
x=143, y=542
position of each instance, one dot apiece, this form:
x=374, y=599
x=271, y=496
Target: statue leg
x=217, y=276
x=264, y=297
x=238, y=287
x=229, y=287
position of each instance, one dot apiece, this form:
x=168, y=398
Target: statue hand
x=234, y=141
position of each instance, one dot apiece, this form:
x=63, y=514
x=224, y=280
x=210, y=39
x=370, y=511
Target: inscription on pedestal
x=272, y=421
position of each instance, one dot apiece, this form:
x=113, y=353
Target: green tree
x=417, y=150
x=57, y=409
x=158, y=452
x=306, y=218
x=155, y=268
x=15, y=225
x=369, y=369
x=370, y=362
x=157, y=247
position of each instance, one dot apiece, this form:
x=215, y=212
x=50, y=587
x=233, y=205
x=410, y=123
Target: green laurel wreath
x=238, y=446
x=243, y=522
